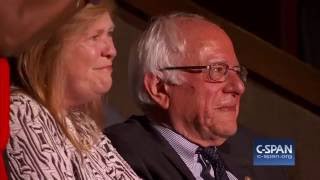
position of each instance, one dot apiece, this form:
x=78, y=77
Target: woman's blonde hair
x=42, y=77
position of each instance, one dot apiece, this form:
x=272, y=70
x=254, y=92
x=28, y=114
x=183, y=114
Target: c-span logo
x=274, y=152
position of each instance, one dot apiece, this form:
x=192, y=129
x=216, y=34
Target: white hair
x=161, y=45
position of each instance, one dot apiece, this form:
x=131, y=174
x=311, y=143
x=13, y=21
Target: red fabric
x=4, y=113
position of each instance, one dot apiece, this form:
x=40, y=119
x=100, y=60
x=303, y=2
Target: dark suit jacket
x=152, y=157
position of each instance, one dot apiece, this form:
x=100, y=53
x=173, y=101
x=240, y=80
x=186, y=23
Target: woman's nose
x=109, y=49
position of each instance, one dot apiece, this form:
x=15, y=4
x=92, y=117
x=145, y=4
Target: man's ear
x=157, y=90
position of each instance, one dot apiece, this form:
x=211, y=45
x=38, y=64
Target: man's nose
x=234, y=83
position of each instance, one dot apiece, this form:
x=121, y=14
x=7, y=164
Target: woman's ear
x=157, y=90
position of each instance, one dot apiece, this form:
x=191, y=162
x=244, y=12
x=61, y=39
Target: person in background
x=23, y=22
x=186, y=78
x=55, y=105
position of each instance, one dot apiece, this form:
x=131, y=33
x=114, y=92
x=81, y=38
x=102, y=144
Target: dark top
x=152, y=157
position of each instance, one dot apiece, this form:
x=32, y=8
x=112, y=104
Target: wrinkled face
x=87, y=58
x=206, y=112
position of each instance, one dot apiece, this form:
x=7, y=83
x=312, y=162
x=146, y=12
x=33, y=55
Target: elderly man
x=186, y=78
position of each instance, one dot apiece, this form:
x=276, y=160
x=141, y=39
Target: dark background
x=291, y=25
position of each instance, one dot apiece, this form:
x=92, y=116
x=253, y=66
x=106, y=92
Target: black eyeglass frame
x=240, y=70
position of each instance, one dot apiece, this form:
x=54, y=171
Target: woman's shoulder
x=25, y=110
x=19, y=98
x=22, y=103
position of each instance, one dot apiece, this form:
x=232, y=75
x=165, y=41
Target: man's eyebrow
x=217, y=60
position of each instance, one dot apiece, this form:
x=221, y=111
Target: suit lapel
x=168, y=152
x=175, y=159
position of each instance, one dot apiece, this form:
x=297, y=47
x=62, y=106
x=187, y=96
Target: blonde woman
x=55, y=107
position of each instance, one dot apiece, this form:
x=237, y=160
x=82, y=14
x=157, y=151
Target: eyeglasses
x=217, y=72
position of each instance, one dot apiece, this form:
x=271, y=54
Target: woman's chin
x=105, y=88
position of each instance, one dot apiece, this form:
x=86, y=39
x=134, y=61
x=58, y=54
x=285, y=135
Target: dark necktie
x=210, y=154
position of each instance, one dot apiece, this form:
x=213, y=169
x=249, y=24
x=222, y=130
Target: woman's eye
x=110, y=33
x=95, y=37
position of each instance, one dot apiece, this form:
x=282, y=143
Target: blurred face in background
x=87, y=61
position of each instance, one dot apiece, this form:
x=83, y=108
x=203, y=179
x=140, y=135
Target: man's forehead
x=197, y=28
x=202, y=52
x=205, y=41
x=208, y=46
x=202, y=33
